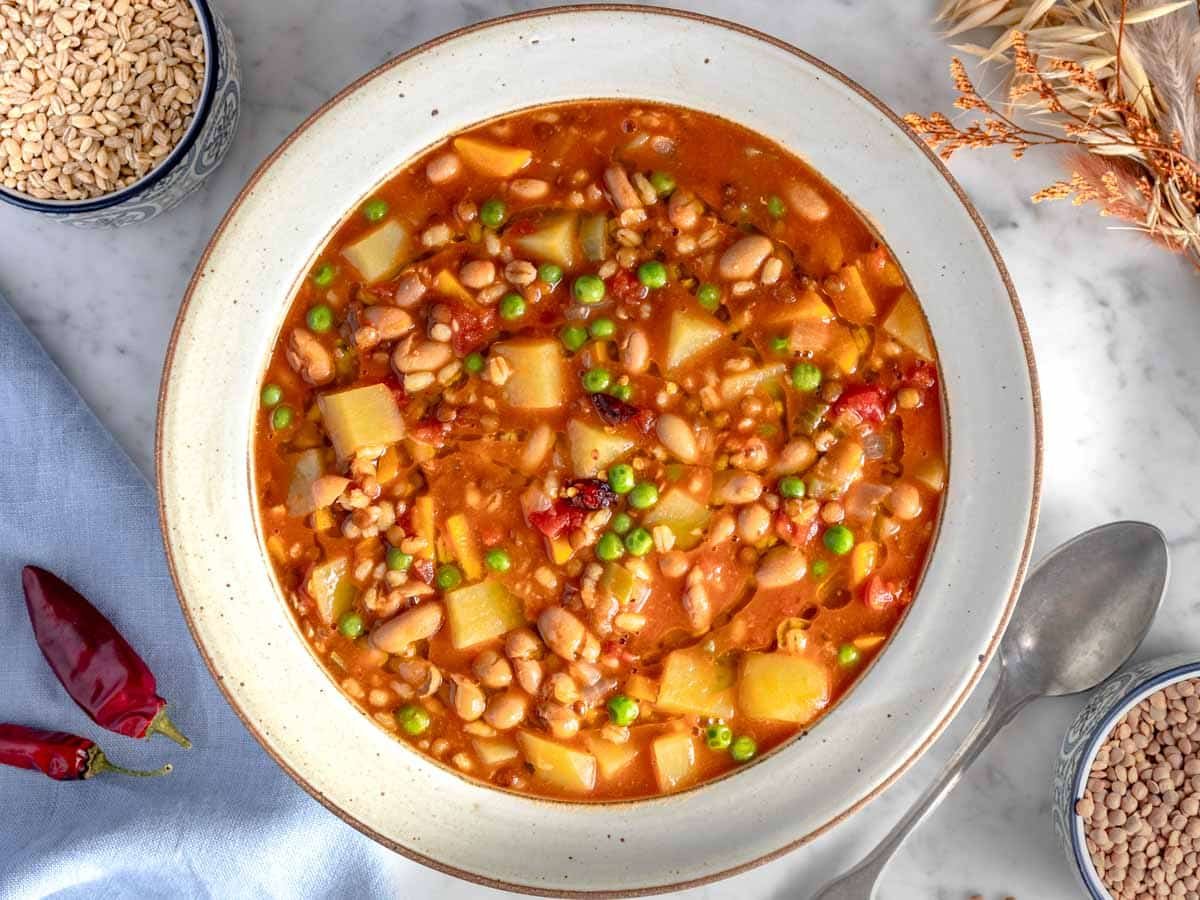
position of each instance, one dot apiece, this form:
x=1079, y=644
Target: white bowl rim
x=1182, y=666
x=1021, y=564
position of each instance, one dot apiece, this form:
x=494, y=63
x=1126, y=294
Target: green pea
x=652, y=274
x=776, y=207
x=498, y=560
x=709, y=296
x=662, y=182
x=602, y=329
x=512, y=306
x=473, y=363
x=643, y=496
x=623, y=710
x=493, y=213
x=271, y=395
x=412, y=719
x=848, y=655
x=806, y=377
x=448, y=577
x=621, y=478
x=550, y=274
x=589, y=289
x=621, y=391
x=398, y=560
x=743, y=748
x=324, y=274
x=621, y=523
x=375, y=209
x=609, y=547
x=791, y=487
x=819, y=569
x=573, y=337
x=839, y=539
x=639, y=542
x=718, y=736
x=320, y=318
x=596, y=380
x=281, y=418
x=779, y=343
x=351, y=624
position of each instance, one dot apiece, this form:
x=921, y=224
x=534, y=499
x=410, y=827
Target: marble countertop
x=1115, y=324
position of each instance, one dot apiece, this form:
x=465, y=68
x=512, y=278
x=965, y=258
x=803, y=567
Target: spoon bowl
x=1085, y=608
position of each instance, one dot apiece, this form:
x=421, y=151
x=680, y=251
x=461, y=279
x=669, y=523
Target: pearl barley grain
x=93, y=95
x=1141, y=804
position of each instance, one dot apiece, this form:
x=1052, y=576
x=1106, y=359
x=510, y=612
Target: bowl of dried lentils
x=112, y=111
x=1127, y=786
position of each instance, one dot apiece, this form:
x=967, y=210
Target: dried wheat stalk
x=1116, y=79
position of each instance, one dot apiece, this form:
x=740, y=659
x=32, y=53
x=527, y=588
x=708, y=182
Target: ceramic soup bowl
x=232, y=315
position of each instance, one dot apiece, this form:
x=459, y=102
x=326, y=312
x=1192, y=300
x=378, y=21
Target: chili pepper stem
x=162, y=724
x=98, y=762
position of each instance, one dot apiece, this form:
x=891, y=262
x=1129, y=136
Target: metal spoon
x=1082, y=612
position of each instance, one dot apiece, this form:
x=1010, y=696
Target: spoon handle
x=859, y=882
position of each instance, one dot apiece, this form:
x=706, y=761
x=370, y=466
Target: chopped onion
x=875, y=445
x=863, y=499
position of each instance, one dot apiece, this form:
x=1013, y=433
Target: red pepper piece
x=865, y=401
x=879, y=594
x=612, y=410
x=58, y=755
x=558, y=518
x=101, y=672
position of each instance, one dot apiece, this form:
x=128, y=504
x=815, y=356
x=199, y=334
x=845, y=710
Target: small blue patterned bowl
x=184, y=169
x=1107, y=706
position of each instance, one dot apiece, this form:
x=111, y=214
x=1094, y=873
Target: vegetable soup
x=601, y=450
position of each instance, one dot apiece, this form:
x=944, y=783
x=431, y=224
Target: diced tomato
x=470, y=328
x=626, y=288
x=520, y=227
x=879, y=594
x=866, y=401
x=921, y=375
x=430, y=431
x=557, y=519
x=794, y=533
x=396, y=386
x=645, y=420
x=423, y=569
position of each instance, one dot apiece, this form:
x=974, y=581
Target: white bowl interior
x=228, y=326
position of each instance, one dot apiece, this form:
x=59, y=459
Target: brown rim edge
x=1035, y=500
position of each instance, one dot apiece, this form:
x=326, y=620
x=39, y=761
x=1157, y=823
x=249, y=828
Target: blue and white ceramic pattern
x=186, y=166
x=1107, y=706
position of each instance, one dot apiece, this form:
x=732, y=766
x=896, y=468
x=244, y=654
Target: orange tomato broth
x=869, y=438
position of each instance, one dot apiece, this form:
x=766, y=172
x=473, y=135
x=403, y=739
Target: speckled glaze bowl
x=189, y=163
x=232, y=315
x=1109, y=703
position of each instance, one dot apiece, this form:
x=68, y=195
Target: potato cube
x=674, y=757
x=593, y=449
x=537, y=380
x=361, y=417
x=686, y=516
x=494, y=160
x=689, y=334
x=782, y=687
x=481, y=612
x=380, y=253
x=610, y=758
x=906, y=324
x=696, y=682
x=570, y=770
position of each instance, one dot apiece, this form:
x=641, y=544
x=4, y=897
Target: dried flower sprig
x=1118, y=80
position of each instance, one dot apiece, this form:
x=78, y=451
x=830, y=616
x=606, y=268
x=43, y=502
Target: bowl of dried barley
x=112, y=111
x=1127, y=787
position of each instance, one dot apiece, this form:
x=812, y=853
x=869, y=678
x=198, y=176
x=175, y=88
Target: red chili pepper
x=58, y=755
x=101, y=672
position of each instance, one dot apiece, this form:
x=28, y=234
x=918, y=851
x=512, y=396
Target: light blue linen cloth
x=227, y=822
